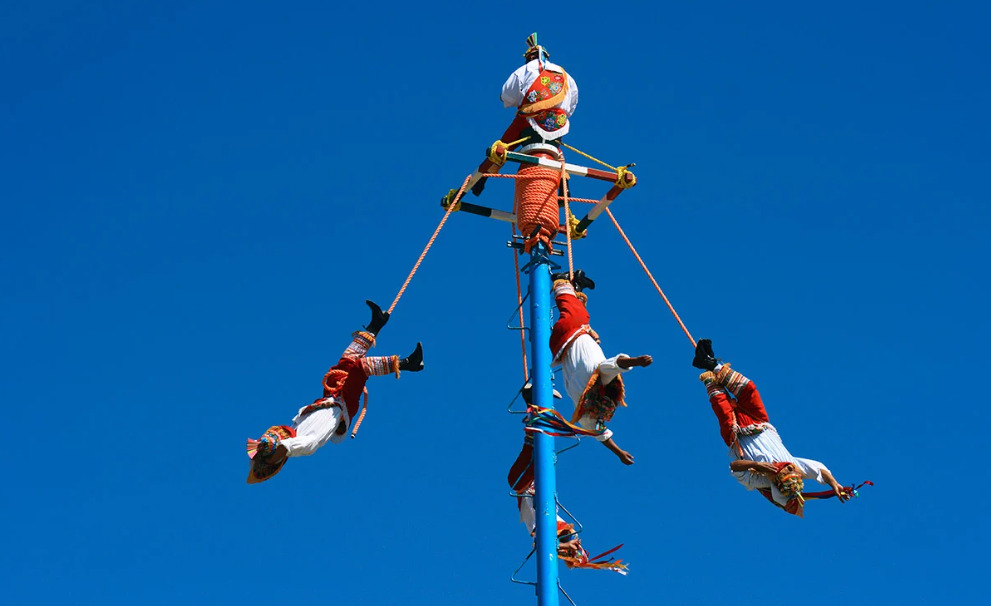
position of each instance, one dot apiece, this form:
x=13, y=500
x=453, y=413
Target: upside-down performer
x=329, y=417
x=761, y=460
x=544, y=96
x=569, y=546
x=592, y=380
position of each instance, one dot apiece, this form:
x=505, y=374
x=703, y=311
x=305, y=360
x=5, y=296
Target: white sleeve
x=811, y=470
x=313, y=431
x=527, y=513
x=512, y=90
x=572, y=101
x=609, y=369
x=752, y=480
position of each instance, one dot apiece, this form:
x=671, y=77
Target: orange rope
x=361, y=416
x=416, y=266
x=538, y=215
x=649, y=275
x=567, y=218
x=519, y=303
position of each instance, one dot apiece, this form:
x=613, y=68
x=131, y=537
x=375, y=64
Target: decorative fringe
x=712, y=388
x=361, y=342
x=562, y=287
x=575, y=556
x=377, y=366
x=601, y=399
x=731, y=380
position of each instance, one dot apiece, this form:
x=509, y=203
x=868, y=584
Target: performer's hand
x=637, y=361
x=625, y=457
x=568, y=548
x=841, y=493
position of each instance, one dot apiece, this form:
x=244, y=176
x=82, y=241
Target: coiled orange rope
x=537, y=213
x=649, y=275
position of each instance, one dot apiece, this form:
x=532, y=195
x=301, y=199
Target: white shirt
x=766, y=447
x=315, y=429
x=519, y=82
x=578, y=363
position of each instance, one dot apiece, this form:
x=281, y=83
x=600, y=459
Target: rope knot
x=497, y=152
x=625, y=179
x=452, y=196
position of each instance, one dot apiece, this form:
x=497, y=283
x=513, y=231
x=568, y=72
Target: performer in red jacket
x=328, y=418
x=592, y=380
x=761, y=460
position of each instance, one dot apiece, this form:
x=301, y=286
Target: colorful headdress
x=266, y=459
x=570, y=550
x=790, y=485
x=789, y=482
x=532, y=48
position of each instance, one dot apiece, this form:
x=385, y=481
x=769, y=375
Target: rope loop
x=452, y=195
x=622, y=180
x=497, y=153
x=573, y=222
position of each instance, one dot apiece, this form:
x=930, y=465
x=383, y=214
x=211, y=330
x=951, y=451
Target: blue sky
x=199, y=197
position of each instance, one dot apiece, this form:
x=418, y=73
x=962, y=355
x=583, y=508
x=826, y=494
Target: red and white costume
x=545, y=97
x=521, y=480
x=328, y=418
x=745, y=428
x=591, y=379
x=570, y=548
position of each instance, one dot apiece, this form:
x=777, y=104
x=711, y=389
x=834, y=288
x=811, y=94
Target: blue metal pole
x=543, y=445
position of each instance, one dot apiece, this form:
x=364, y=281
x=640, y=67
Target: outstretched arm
x=626, y=362
x=624, y=456
x=838, y=490
x=745, y=465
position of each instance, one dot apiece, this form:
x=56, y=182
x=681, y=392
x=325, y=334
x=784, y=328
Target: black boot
x=379, y=318
x=582, y=281
x=414, y=361
x=561, y=275
x=704, y=358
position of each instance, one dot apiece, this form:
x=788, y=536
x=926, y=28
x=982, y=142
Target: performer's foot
x=704, y=358
x=581, y=281
x=414, y=361
x=379, y=318
x=561, y=275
